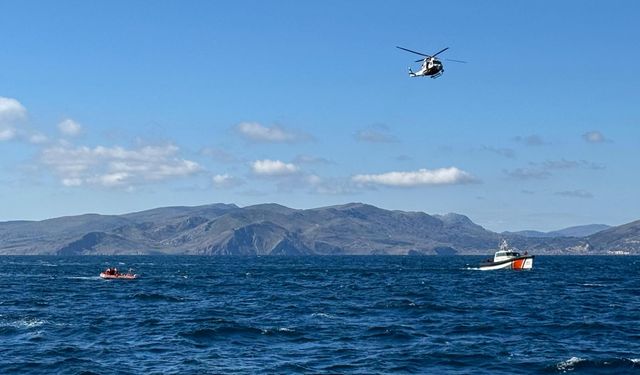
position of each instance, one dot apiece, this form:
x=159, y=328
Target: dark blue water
x=319, y=315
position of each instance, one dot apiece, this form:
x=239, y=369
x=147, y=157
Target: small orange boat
x=112, y=273
x=119, y=276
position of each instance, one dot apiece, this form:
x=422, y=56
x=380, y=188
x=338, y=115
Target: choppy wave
x=318, y=315
x=610, y=365
x=322, y=315
x=23, y=323
x=225, y=331
x=157, y=297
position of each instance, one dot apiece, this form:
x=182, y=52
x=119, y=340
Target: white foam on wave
x=321, y=315
x=569, y=364
x=24, y=323
x=47, y=264
x=635, y=360
x=267, y=331
x=31, y=323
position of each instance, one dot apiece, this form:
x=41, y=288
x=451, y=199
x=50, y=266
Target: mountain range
x=577, y=231
x=271, y=229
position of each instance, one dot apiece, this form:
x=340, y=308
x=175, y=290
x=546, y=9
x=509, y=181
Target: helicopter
x=431, y=66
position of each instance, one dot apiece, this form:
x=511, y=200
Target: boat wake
x=82, y=277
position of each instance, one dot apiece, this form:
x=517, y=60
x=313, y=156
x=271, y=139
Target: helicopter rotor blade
x=417, y=53
x=421, y=60
x=439, y=52
x=458, y=61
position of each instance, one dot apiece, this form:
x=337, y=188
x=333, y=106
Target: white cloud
x=38, y=138
x=116, y=166
x=256, y=132
x=594, y=137
x=225, y=181
x=313, y=179
x=221, y=178
x=71, y=181
x=11, y=111
x=273, y=168
x=69, y=127
x=112, y=179
x=7, y=133
x=421, y=177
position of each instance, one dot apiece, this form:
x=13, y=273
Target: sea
x=319, y=315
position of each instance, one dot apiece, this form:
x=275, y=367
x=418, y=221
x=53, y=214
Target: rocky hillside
x=270, y=229
x=624, y=238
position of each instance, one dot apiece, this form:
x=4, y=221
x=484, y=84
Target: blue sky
x=119, y=106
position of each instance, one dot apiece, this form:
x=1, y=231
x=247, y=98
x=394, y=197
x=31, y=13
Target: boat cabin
x=505, y=255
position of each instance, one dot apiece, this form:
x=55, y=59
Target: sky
x=119, y=106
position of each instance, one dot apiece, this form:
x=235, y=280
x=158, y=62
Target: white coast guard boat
x=507, y=257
